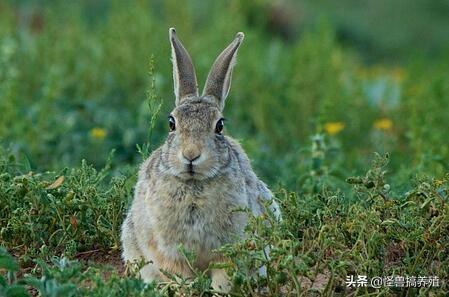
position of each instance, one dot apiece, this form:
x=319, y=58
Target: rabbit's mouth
x=194, y=170
x=190, y=171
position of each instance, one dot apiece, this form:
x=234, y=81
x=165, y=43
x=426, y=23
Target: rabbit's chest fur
x=198, y=214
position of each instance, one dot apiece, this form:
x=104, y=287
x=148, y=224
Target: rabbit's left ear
x=184, y=77
x=219, y=79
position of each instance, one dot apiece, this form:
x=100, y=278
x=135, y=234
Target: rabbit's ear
x=219, y=79
x=184, y=78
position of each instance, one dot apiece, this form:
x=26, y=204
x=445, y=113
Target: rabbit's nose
x=191, y=153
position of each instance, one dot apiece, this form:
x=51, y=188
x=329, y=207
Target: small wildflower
x=439, y=182
x=398, y=74
x=384, y=124
x=97, y=133
x=333, y=128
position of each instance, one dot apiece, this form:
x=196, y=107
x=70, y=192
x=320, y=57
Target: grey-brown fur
x=188, y=189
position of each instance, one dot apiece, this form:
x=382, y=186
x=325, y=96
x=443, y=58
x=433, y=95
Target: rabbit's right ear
x=184, y=77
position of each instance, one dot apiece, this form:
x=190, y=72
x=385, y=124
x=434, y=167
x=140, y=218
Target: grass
x=81, y=84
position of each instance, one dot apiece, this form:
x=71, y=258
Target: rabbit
x=188, y=189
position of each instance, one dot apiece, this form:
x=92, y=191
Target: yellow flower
x=333, y=128
x=398, y=74
x=97, y=133
x=438, y=182
x=383, y=124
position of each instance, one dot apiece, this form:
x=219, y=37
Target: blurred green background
x=341, y=79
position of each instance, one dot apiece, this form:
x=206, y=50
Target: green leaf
x=7, y=261
x=16, y=291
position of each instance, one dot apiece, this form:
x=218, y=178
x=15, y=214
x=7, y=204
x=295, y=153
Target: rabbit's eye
x=171, y=123
x=219, y=126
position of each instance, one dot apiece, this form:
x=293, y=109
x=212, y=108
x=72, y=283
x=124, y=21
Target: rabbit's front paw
x=220, y=281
